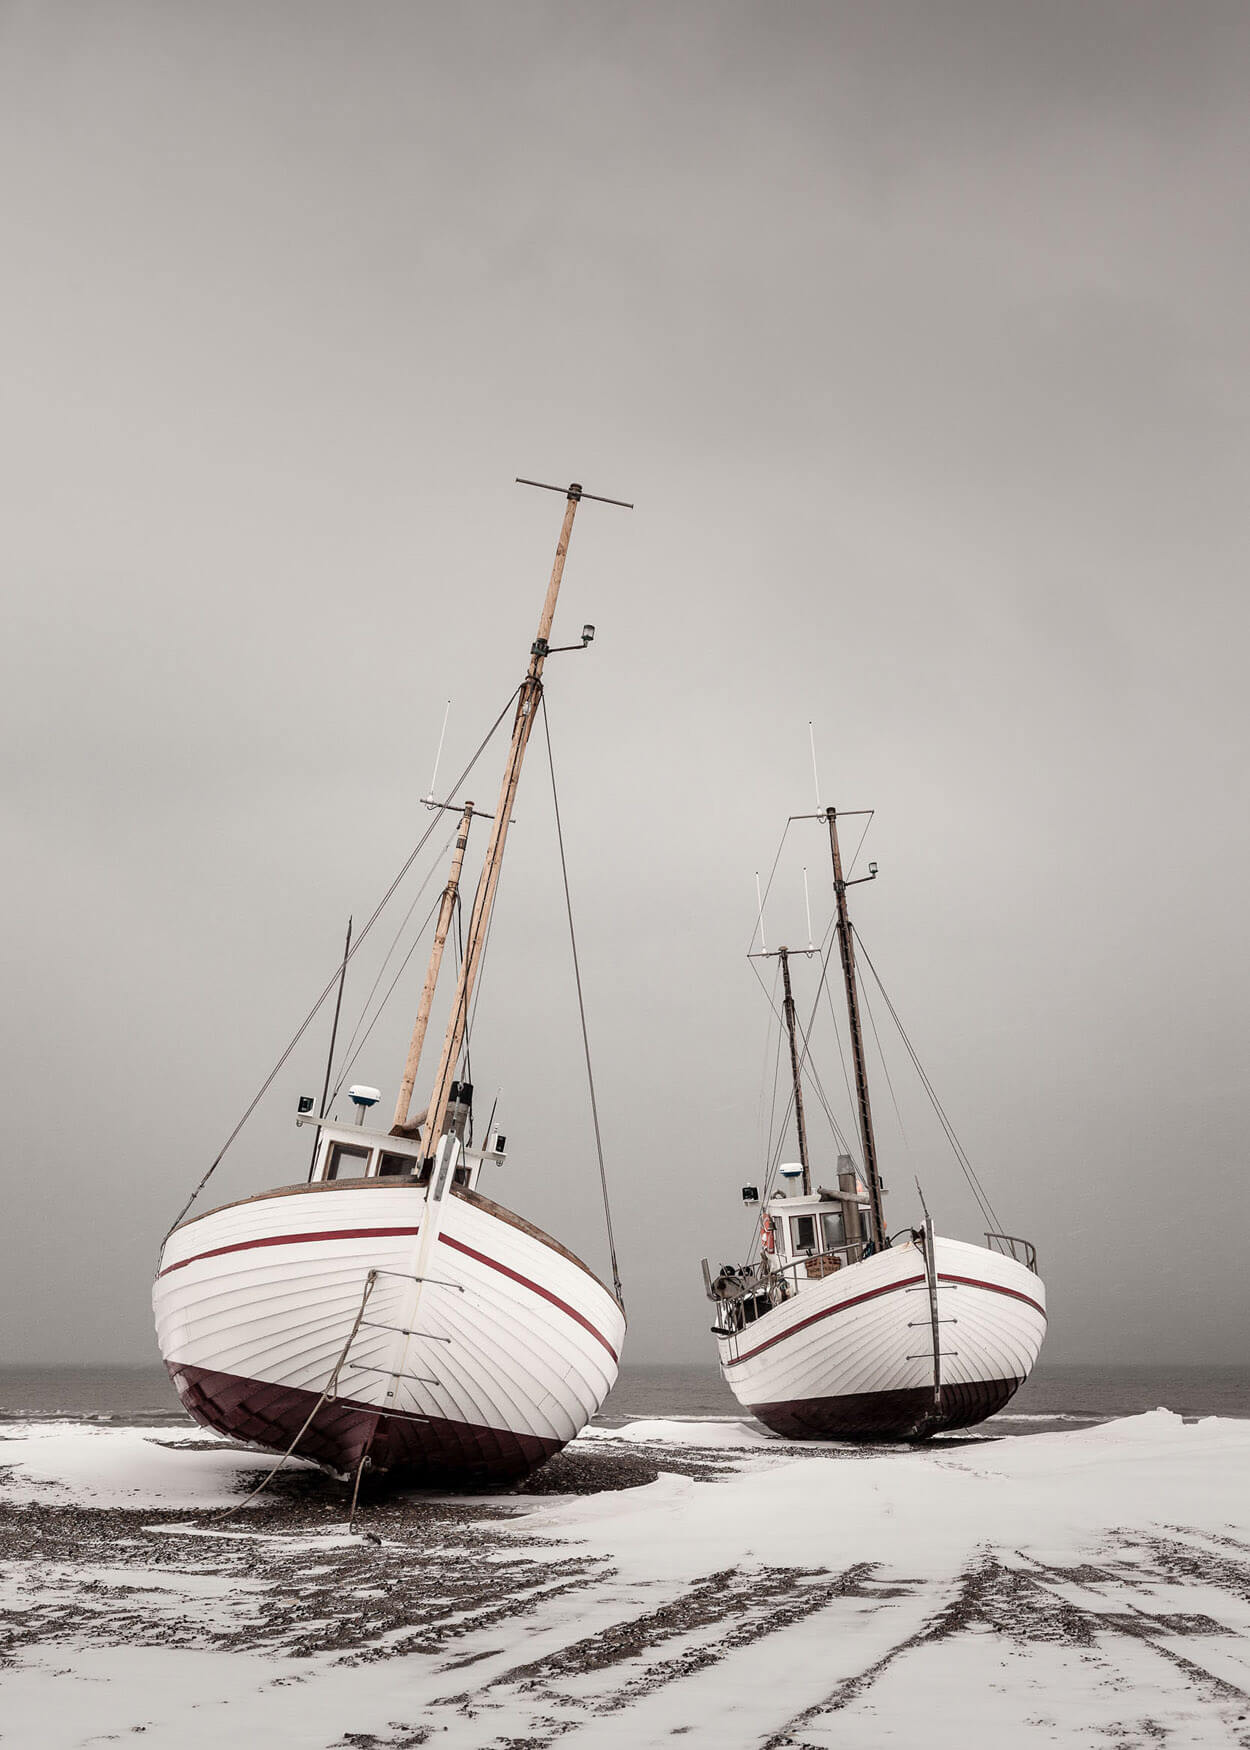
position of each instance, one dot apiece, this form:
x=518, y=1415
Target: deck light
x=872, y=868
x=306, y=1103
x=750, y=1193
x=588, y=634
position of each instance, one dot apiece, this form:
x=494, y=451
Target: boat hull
x=299, y=1316
x=851, y=1356
x=437, y=1450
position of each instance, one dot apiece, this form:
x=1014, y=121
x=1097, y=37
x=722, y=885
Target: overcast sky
x=917, y=333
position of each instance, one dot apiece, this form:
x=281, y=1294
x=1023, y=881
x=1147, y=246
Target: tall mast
x=479, y=921
x=846, y=946
x=431, y=973
x=792, y=1029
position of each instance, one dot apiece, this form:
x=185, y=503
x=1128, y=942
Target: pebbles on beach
x=1089, y=1587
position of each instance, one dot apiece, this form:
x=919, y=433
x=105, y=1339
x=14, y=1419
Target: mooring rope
x=328, y=1392
x=581, y=1009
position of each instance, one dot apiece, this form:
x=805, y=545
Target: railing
x=1023, y=1251
x=733, y=1316
x=817, y=1265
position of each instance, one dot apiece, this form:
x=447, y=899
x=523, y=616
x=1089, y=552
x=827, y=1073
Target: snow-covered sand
x=1089, y=1588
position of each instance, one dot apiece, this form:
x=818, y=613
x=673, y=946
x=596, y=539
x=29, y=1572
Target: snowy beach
x=663, y=1579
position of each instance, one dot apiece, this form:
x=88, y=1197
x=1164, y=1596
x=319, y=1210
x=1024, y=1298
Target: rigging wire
x=805, y=1064
x=769, y=886
x=961, y=1155
x=349, y=1048
x=483, y=963
x=467, y=1074
x=839, y=1135
x=767, y=1150
x=859, y=847
x=311, y=1016
x=390, y=989
x=885, y=1068
x=852, y=1102
x=581, y=1006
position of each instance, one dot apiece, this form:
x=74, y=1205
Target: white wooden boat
x=386, y=1312
x=837, y=1329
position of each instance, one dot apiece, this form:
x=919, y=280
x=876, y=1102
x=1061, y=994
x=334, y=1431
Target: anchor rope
x=327, y=1392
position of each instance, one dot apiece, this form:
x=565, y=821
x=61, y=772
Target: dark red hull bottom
x=428, y=1452
x=887, y=1415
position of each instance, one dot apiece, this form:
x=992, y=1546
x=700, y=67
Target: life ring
x=770, y=1241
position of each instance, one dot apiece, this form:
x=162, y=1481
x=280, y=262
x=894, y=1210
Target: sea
x=1054, y=1398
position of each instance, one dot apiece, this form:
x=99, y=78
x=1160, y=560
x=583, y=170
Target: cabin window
x=833, y=1229
x=802, y=1233
x=347, y=1160
x=396, y=1166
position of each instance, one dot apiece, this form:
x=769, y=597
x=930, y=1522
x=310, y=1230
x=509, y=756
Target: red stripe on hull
x=372, y=1233
x=534, y=1287
x=335, y=1233
x=887, y=1415
x=429, y=1451
x=825, y=1312
x=994, y=1288
x=873, y=1294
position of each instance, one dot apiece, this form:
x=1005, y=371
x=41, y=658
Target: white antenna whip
x=438, y=756
x=807, y=901
x=811, y=736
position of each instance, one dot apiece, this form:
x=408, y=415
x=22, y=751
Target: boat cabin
x=807, y=1238
x=349, y=1151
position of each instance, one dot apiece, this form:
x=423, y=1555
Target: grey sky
x=917, y=333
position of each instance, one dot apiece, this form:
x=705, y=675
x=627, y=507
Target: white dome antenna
x=362, y=1098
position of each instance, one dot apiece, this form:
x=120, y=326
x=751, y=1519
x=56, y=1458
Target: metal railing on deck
x=1023, y=1251
x=817, y=1265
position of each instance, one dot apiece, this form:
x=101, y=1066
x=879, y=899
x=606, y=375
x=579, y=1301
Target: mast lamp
x=872, y=868
x=542, y=648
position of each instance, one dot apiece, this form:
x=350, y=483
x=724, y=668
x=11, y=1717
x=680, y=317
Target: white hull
x=495, y=1359
x=853, y=1354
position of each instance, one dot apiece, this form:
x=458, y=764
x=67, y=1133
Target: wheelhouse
x=808, y=1237
x=350, y=1152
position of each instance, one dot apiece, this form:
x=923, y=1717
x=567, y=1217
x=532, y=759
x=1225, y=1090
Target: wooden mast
x=792, y=1029
x=479, y=921
x=846, y=946
x=431, y=974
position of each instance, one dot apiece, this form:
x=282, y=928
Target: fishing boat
x=839, y=1329
x=386, y=1312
